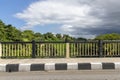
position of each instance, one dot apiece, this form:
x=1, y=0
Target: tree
x=80, y=38
x=67, y=37
x=59, y=36
x=12, y=34
x=2, y=31
x=112, y=36
x=49, y=36
x=27, y=35
x=38, y=37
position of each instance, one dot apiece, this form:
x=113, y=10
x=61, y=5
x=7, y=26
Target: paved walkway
x=58, y=60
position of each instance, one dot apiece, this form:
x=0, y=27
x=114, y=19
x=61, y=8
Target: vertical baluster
x=38, y=49
x=9, y=49
x=26, y=52
x=21, y=50
x=18, y=49
x=92, y=48
x=111, y=49
x=52, y=50
x=49, y=50
x=56, y=50
x=72, y=49
x=75, y=46
x=70, y=54
x=44, y=49
x=15, y=49
x=77, y=49
x=117, y=49
x=80, y=49
x=4, y=50
x=60, y=49
x=87, y=48
x=95, y=54
x=12, y=54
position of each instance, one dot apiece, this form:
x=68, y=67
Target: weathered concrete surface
x=62, y=75
x=58, y=60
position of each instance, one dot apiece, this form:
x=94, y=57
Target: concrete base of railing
x=58, y=66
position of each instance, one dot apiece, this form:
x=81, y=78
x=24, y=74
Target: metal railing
x=61, y=49
x=16, y=49
x=111, y=48
x=84, y=49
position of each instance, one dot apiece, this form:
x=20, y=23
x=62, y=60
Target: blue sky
x=10, y=7
x=79, y=18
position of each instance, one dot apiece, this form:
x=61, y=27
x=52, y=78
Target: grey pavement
x=63, y=75
x=58, y=60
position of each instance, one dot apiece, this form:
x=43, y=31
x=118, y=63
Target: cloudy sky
x=80, y=18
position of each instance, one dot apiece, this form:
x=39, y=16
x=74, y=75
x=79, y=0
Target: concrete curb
x=58, y=66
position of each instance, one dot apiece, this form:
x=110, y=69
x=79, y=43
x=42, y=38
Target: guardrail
x=60, y=49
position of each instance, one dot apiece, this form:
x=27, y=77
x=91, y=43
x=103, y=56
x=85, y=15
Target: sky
x=78, y=18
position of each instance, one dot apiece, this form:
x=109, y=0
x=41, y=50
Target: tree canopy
x=112, y=36
x=11, y=33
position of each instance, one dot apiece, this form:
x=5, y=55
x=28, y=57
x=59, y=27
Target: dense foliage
x=112, y=36
x=11, y=33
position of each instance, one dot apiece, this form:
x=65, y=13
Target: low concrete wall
x=58, y=66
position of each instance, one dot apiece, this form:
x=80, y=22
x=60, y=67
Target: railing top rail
x=14, y=42
x=50, y=42
x=95, y=41
x=111, y=41
x=82, y=41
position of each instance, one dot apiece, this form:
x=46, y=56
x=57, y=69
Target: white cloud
x=83, y=17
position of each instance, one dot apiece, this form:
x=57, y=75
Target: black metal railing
x=61, y=49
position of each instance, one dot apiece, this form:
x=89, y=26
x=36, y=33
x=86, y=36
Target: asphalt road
x=62, y=75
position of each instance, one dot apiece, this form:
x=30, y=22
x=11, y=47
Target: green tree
x=12, y=34
x=112, y=36
x=80, y=38
x=2, y=31
x=27, y=35
x=49, y=36
x=38, y=37
x=68, y=38
x=59, y=36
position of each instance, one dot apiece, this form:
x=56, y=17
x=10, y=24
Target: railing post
x=33, y=49
x=100, y=48
x=67, y=49
x=0, y=50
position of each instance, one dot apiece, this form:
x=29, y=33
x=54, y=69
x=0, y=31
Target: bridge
x=45, y=56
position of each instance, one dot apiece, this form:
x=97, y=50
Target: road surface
x=62, y=75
